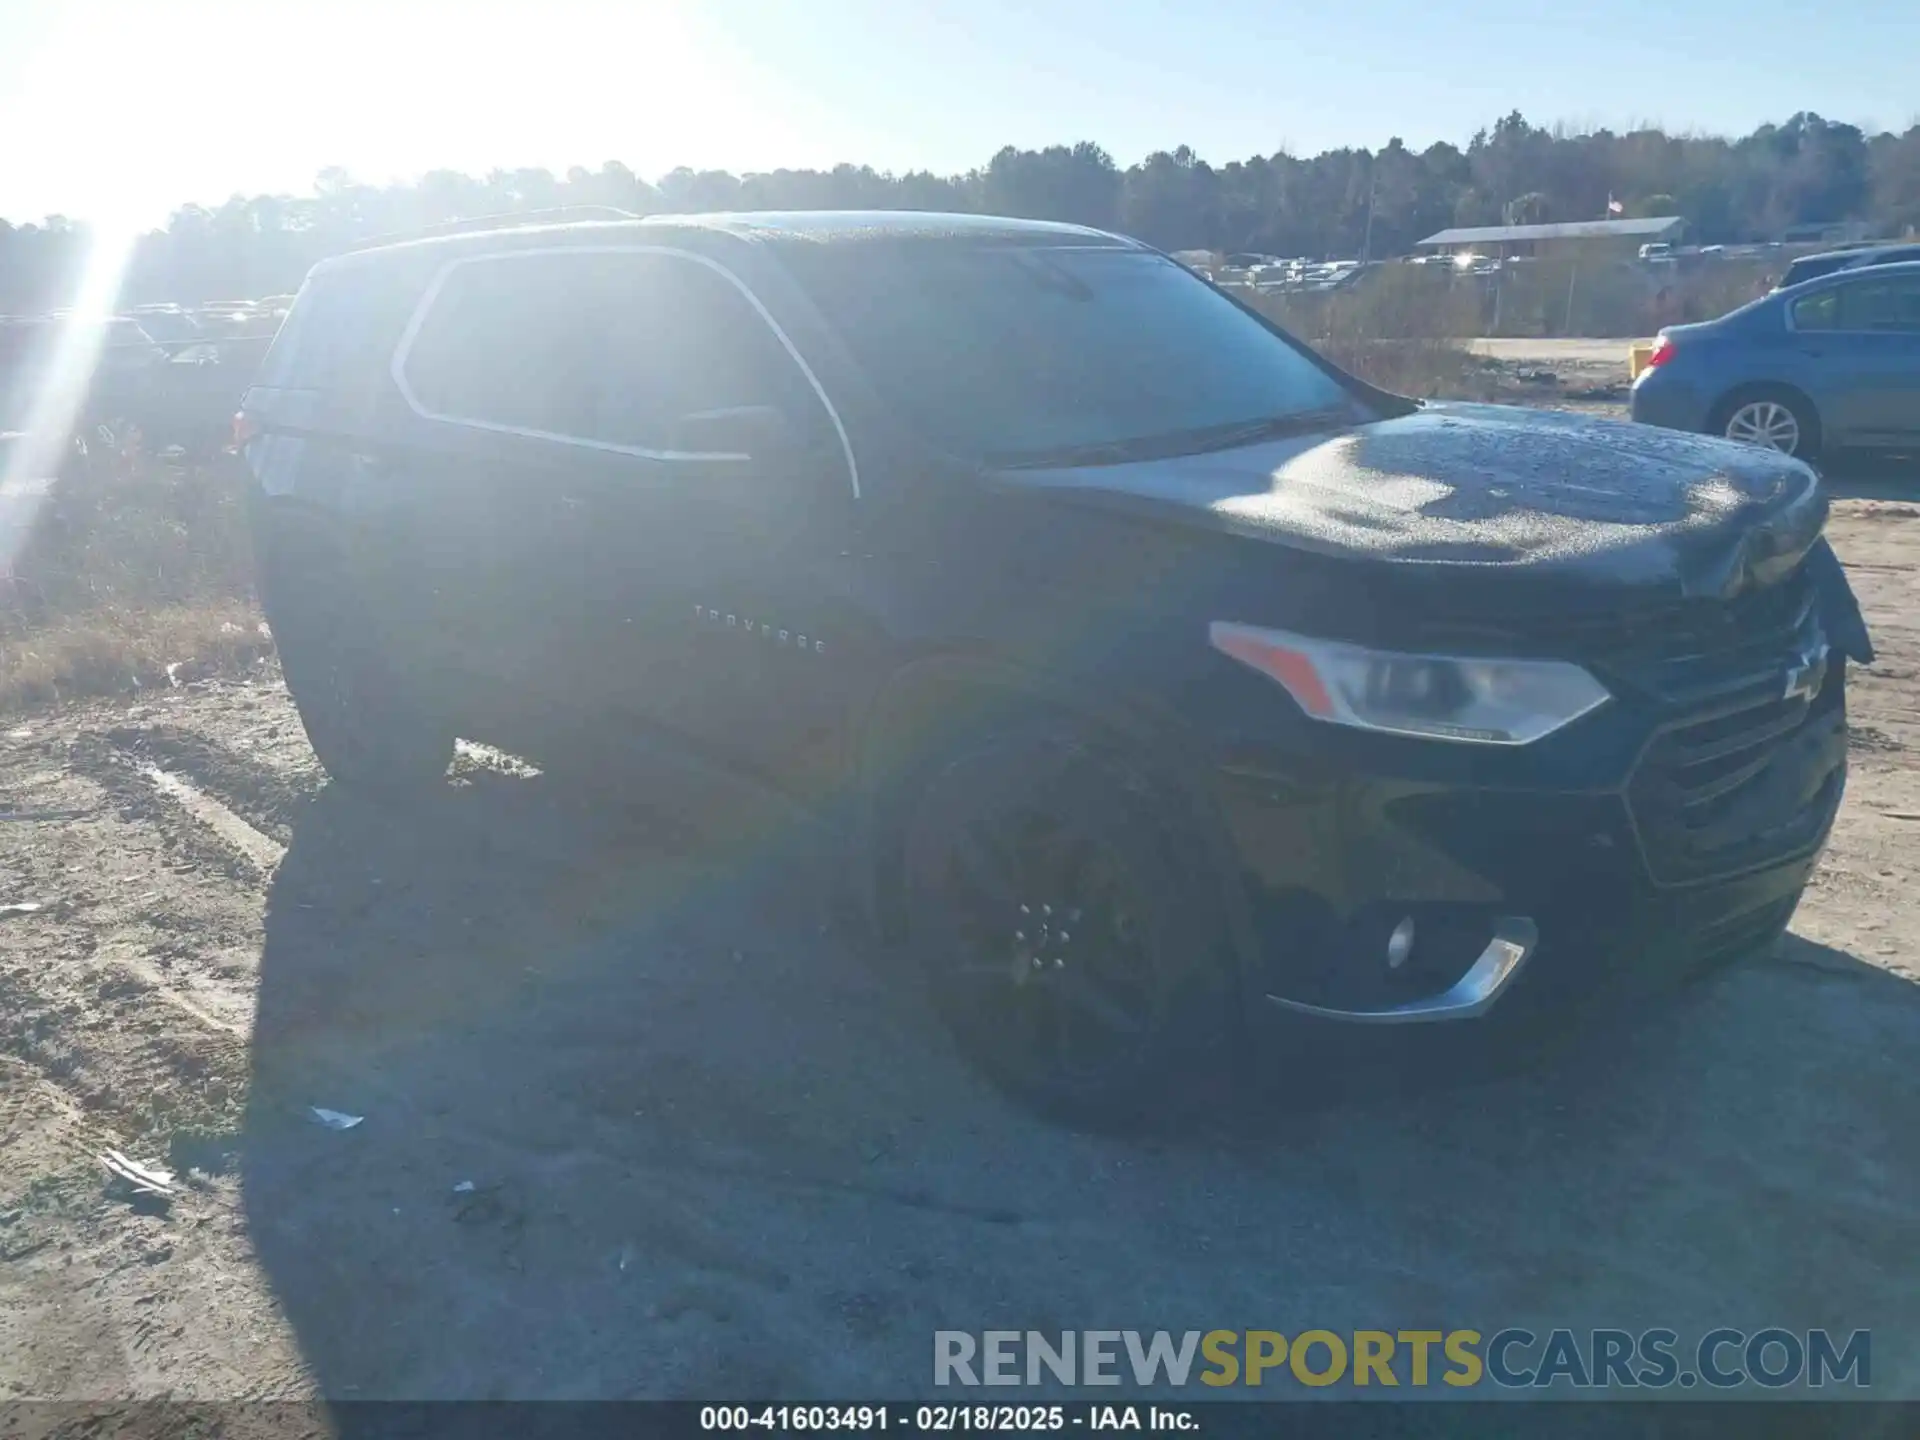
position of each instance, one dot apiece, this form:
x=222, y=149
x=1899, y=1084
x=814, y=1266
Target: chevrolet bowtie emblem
x=1805, y=674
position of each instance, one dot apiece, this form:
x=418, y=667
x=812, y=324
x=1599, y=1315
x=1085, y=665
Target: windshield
x=1020, y=354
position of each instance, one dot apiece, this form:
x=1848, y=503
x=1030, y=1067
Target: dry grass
x=1429, y=369
x=1402, y=329
x=110, y=652
x=1425, y=311
x=133, y=573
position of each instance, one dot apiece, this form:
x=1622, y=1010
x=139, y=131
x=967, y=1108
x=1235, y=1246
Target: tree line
x=1341, y=203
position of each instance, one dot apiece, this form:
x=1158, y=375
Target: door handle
x=572, y=502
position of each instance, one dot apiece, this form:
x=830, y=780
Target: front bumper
x=1485, y=980
x=1524, y=899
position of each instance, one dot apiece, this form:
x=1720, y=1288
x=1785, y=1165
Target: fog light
x=1400, y=944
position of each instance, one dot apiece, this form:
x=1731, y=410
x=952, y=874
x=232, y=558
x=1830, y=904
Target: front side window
x=610, y=347
x=679, y=339
x=1026, y=354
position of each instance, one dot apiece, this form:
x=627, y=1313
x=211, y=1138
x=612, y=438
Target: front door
x=710, y=581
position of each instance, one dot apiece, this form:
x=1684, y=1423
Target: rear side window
x=609, y=347
x=1887, y=304
x=505, y=342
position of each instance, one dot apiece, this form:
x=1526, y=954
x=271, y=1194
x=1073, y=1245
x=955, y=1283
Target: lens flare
x=57, y=385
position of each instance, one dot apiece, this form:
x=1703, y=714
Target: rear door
x=1861, y=339
x=501, y=371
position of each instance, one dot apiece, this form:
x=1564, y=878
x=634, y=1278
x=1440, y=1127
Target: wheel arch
x=1723, y=407
x=931, y=704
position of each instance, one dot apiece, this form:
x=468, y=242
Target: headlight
x=1445, y=697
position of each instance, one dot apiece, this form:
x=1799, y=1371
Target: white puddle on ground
x=485, y=757
x=264, y=851
x=228, y=1011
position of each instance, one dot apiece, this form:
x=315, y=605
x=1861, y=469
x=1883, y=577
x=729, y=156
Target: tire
x=1063, y=945
x=1749, y=415
x=365, y=721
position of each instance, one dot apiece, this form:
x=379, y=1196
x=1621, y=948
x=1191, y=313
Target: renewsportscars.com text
x=1721, y=1359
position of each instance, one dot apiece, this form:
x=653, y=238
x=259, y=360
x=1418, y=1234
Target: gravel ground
x=1575, y=352
x=635, y=1124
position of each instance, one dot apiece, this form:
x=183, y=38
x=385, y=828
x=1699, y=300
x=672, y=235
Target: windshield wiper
x=1274, y=427
x=1107, y=452
x=1180, y=442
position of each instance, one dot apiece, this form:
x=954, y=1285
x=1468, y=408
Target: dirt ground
x=636, y=1124
x=1611, y=354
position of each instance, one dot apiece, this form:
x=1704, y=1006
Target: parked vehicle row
x=175, y=374
x=1268, y=275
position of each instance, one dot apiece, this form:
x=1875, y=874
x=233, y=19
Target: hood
x=1460, y=490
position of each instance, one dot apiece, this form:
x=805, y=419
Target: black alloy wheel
x=1046, y=910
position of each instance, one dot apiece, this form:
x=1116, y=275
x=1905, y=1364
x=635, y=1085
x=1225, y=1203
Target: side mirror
x=765, y=434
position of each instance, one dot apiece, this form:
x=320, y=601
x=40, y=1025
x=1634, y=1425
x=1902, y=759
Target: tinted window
x=682, y=339
x=612, y=347
x=1812, y=268
x=1817, y=312
x=1011, y=353
x=513, y=342
x=1889, y=304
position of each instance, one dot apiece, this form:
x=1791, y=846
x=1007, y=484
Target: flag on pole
x=1614, y=207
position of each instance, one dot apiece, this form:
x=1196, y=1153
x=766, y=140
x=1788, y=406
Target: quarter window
x=1817, y=312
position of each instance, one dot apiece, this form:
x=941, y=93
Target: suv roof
x=1889, y=267
x=774, y=226
x=1833, y=262
x=1868, y=254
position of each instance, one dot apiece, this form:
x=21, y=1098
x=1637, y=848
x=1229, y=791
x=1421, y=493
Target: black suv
x=1158, y=674
x=1831, y=262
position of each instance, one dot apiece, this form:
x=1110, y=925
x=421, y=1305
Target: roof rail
x=507, y=220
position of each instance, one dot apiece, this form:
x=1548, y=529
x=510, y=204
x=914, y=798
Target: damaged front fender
x=1840, y=613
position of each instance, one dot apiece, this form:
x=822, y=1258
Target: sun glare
x=31, y=457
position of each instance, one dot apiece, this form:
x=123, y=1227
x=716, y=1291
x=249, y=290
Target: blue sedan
x=1831, y=364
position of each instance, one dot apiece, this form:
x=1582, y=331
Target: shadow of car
x=636, y=1125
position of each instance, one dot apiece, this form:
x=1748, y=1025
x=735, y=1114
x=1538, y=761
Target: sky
x=118, y=111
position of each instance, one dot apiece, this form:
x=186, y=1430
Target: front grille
x=1740, y=786
x=1707, y=645
x=1662, y=649
x=1739, y=774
